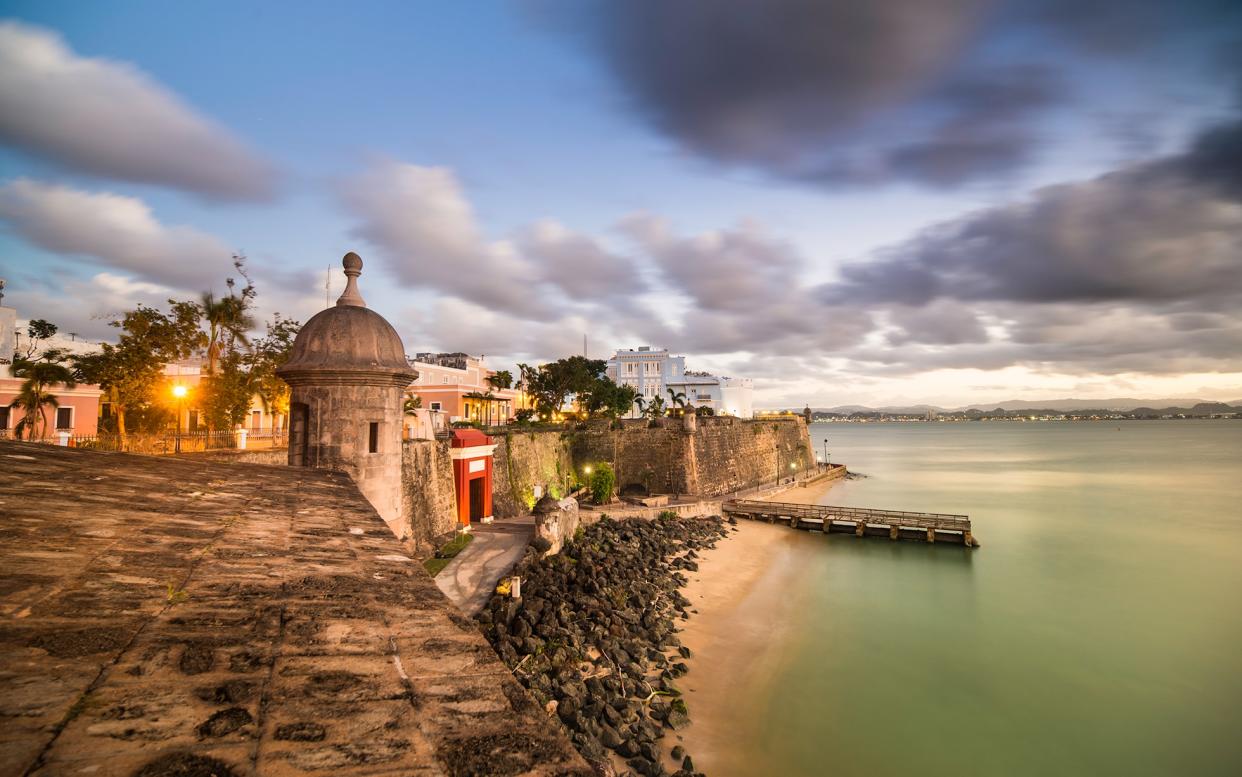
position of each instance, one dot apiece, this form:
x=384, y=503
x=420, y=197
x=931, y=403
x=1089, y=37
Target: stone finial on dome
x=353, y=268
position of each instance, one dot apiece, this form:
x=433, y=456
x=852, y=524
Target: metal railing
x=901, y=518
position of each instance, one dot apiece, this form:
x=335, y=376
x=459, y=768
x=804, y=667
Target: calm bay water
x=1098, y=631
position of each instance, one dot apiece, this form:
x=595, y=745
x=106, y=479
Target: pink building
x=454, y=384
x=78, y=411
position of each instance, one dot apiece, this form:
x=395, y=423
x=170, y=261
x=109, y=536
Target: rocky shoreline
x=593, y=637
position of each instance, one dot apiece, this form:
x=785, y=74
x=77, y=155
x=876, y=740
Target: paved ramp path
x=470, y=578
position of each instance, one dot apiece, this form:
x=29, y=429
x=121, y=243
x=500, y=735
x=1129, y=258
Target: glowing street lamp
x=178, y=393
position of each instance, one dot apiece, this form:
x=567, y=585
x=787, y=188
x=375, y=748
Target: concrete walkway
x=470, y=578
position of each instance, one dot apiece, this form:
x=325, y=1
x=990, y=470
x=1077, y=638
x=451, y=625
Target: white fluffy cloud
x=427, y=233
x=109, y=119
x=114, y=231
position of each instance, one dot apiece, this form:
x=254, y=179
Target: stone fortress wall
x=428, y=502
x=527, y=463
x=716, y=457
x=720, y=456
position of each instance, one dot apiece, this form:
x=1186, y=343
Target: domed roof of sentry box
x=349, y=341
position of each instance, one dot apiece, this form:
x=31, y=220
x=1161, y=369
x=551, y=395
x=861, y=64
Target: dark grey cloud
x=577, y=263
x=935, y=324
x=1160, y=231
x=425, y=230
x=109, y=119
x=726, y=270
x=940, y=92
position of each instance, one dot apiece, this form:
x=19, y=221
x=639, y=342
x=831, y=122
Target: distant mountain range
x=1060, y=405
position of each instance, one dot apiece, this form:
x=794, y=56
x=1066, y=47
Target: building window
x=445, y=380
x=256, y=420
x=629, y=368
x=192, y=421
x=4, y=418
x=435, y=406
x=373, y=442
x=64, y=418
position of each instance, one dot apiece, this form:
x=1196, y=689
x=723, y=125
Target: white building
x=653, y=371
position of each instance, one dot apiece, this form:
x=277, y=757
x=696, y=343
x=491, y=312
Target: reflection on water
x=1098, y=630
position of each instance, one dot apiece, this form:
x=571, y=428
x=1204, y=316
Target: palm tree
x=503, y=379
x=678, y=401
x=655, y=408
x=33, y=398
x=227, y=319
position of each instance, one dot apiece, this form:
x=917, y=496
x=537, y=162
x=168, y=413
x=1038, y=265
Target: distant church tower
x=348, y=372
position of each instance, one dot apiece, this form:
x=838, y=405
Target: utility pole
x=584, y=349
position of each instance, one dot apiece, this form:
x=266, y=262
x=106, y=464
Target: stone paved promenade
x=470, y=579
x=162, y=617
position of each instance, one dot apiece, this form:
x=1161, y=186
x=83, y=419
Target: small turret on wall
x=348, y=373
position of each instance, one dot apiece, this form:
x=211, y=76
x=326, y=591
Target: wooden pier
x=859, y=521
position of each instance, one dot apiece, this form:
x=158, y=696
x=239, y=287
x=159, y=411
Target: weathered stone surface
x=162, y=616
x=720, y=456
x=557, y=525
x=428, y=502
x=524, y=461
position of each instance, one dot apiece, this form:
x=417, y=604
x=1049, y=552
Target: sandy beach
x=747, y=596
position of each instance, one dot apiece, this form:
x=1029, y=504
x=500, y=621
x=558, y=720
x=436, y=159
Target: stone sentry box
x=348, y=373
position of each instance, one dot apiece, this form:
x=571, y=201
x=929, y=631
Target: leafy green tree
x=226, y=392
x=603, y=481
x=608, y=398
x=655, y=408
x=266, y=354
x=551, y=384
x=38, y=332
x=501, y=379
x=132, y=371
x=34, y=395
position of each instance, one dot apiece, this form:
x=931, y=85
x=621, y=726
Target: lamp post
x=178, y=392
x=827, y=461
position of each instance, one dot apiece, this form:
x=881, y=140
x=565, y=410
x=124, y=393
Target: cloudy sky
x=889, y=202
